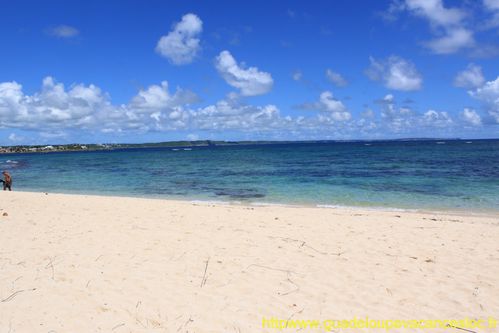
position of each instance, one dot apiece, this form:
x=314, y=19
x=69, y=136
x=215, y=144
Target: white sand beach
x=74, y=263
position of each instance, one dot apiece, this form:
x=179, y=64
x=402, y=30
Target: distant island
x=174, y=144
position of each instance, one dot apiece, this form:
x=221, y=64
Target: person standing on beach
x=7, y=181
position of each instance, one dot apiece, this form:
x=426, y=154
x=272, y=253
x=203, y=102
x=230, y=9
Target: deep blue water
x=420, y=175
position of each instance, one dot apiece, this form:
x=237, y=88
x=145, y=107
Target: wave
x=370, y=208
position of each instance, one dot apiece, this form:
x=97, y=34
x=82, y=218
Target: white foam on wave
x=270, y=204
x=330, y=206
x=212, y=202
x=375, y=208
x=238, y=203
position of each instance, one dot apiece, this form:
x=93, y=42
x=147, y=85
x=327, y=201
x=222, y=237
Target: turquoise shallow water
x=410, y=175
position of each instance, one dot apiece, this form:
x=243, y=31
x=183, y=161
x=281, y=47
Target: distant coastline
x=74, y=147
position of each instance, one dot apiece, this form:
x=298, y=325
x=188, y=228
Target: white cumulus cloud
x=54, y=110
x=328, y=103
x=297, y=75
x=471, y=77
x=488, y=94
x=396, y=73
x=182, y=44
x=158, y=98
x=336, y=78
x=52, y=106
x=435, y=12
x=471, y=117
x=192, y=137
x=86, y=107
x=57, y=112
x=63, y=31
x=491, y=4
x=250, y=81
x=15, y=138
x=396, y=119
x=451, y=42
x=447, y=24
x=437, y=119
x=230, y=115
x=493, y=7
x=331, y=108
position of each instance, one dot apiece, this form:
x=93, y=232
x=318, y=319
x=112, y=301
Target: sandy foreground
x=73, y=263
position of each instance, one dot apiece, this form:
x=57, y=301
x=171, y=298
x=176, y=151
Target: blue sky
x=135, y=71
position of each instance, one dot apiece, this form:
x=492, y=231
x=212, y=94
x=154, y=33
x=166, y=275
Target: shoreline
x=466, y=212
x=84, y=263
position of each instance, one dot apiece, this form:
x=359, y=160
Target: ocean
x=422, y=175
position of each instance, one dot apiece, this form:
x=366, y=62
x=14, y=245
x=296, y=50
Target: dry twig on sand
x=51, y=265
x=119, y=325
x=460, y=328
x=272, y=268
x=203, y=281
x=185, y=324
x=14, y=294
x=297, y=287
